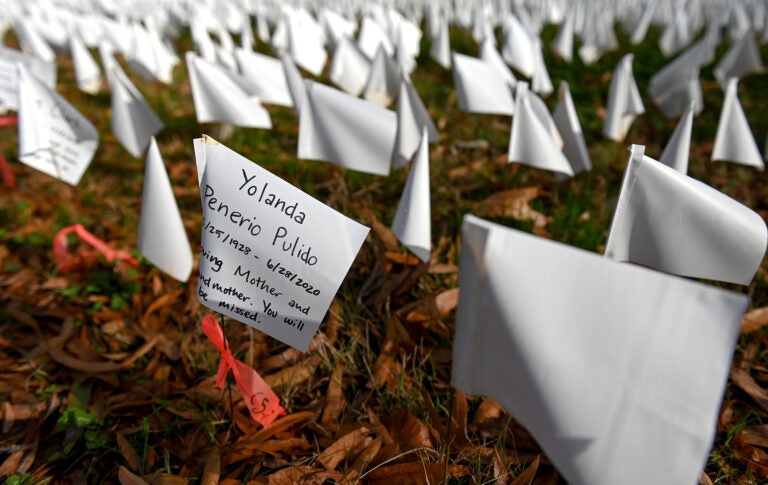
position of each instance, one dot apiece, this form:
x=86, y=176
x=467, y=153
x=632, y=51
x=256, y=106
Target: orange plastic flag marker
x=5, y=170
x=261, y=401
x=67, y=262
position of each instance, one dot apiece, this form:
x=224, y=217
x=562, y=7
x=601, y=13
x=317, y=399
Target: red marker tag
x=261, y=401
x=5, y=170
x=8, y=120
x=67, y=262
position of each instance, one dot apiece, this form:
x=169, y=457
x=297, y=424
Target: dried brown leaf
x=527, y=475
x=127, y=478
x=382, y=232
x=406, y=428
x=166, y=479
x=459, y=412
x=515, y=203
x=338, y=451
x=335, y=401
x=754, y=320
x=362, y=461
x=400, y=258
x=488, y=410
x=294, y=375
x=433, y=306
x=705, y=480
x=756, y=435
x=742, y=379
x=415, y=473
x=128, y=452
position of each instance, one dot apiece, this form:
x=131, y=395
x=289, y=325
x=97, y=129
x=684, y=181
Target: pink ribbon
x=67, y=262
x=261, y=401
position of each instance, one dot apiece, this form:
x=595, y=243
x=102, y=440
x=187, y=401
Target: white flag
x=350, y=67
x=219, y=98
x=734, y=141
x=568, y=125
x=266, y=75
x=412, y=117
x=480, y=88
x=413, y=219
x=133, y=121
x=345, y=130
x=271, y=256
x=624, y=101
x=534, y=139
x=9, y=82
x=87, y=72
x=674, y=223
x=678, y=148
x=383, y=79
x=610, y=366
x=162, y=238
x=53, y=136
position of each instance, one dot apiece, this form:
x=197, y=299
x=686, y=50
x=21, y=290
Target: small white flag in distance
x=678, y=148
x=347, y=131
x=53, y=136
x=133, y=121
x=534, y=139
x=162, y=238
x=219, y=98
x=624, y=101
x=741, y=59
x=87, y=72
x=350, y=67
x=295, y=83
x=9, y=82
x=383, y=79
x=734, y=141
x=568, y=125
x=272, y=257
x=413, y=219
x=595, y=358
x=266, y=75
x=480, y=87
x=676, y=224
x=412, y=116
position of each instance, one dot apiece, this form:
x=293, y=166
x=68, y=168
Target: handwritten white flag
x=272, y=256
x=413, y=219
x=53, y=136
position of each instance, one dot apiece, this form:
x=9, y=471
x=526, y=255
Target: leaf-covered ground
x=105, y=375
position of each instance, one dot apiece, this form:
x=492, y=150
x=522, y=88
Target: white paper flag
x=272, y=256
x=53, y=136
x=306, y=42
x=372, y=36
x=440, y=51
x=518, y=47
x=563, y=43
x=534, y=140
x=480, y=88
x=413, y=219
x=624, y=101
x=345, y=130
x=162, y=238
x=568, y=125
x=266, y=75
x=9, y=83
x=741, y=59
x=678, y=148
x=412, y=117
x=350, y=67
x=610, y=366
x=32, y=42
x=295, y=82
x=383, y=79
x=87, y=72
x=489, y=54
x=219, y=98
x=674, y=223
x=133, y=121
x=734, y=141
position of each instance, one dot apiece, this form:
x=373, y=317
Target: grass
x=166, y=405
